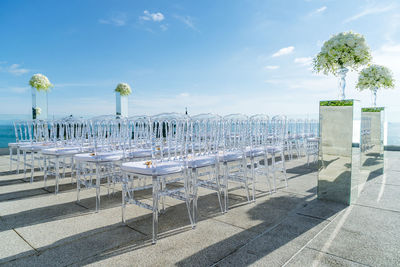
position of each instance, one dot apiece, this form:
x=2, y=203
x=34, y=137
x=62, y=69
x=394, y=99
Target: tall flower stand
x=372, y=140
x=121, y=105
x=339, y=152
x=39, y=104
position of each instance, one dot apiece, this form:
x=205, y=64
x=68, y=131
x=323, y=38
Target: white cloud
x=157, y=17
x=184, y=94
x=369, y=11
x=164, y=27
x=284, y=51
x=390, y=48
x=305, y=61
x=117, y=19
x=15, y=69
x=317, y=11
x=271, y=67
x=187, y=20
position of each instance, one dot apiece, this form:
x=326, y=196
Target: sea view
x=7, y=133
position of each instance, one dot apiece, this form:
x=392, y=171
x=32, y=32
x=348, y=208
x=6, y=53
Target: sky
x=220, y=56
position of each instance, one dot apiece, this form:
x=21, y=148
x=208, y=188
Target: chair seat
x=35, y=147
x=157, y=168
x=202, y=161
x=140, y=153
x=273, y=149
x=100, y=156
x=255, y=151
x=60, y=151
x=231, y=156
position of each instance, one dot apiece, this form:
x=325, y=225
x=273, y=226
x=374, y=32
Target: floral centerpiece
x=40, y=82
x=40, y=87
x=124, y=89
x=373, y=78
x=38, y=111
x=342, y=51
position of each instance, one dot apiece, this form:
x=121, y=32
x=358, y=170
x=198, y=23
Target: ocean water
x=7, y=133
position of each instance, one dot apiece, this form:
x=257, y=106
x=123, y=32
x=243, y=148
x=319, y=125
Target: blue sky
x=210, y=56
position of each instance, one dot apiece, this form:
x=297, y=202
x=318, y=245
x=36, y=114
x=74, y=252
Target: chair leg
x=57, y=170
x=18, y=156
x=218, y=182
x=97, y=188
x=155, y=208
x=273, y=171
x=194, y=176
x=72, y=169
x=33, y=165
x=45, y=171
x=24, y=164
x=284, y=171
x=11, y=158
x=267, y=176
x=226, y=187
x=123, y=206
x=253, y=179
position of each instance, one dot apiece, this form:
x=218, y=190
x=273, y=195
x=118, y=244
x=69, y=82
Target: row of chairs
x=171, y=154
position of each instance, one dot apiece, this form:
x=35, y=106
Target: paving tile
x=384, y=196
x=264, y=213
x=57, y=232
x=207, y=244
x=20, y=190
x=39, y=209
x=277, y=246
x=82, y=249
x=13, y=246
x=389, y=177
x=322, y=209
x=303, y=184
x=311, y=257
x=366, y=235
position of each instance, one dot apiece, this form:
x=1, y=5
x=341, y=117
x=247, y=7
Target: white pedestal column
x=372, y=141
x=339, y=152
x=121, y=105
x=39, y=105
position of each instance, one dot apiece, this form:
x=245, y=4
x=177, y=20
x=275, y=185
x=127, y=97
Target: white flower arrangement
x=343, y=50
x=375, y=77
x=124, y=89
x=40, y=82
x=38, y=111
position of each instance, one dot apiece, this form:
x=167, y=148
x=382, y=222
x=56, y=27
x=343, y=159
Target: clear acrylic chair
x=233, y=155
x=23, y=136
x=167, y=166
x=202, y=161
x=276, y=147
x=104, y=160
x=257, y=150
x=66, y=136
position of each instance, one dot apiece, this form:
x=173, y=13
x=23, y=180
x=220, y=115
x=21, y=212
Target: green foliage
x=372, y=109
x=336, y=103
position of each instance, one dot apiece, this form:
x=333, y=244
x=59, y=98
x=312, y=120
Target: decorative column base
x=339, y=152
x=372, y=141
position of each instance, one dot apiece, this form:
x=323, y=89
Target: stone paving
x=290, y=227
